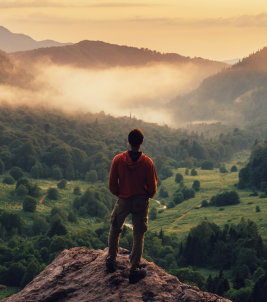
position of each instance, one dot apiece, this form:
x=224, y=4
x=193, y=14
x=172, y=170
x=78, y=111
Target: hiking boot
x=134, y=277
x=111, y=267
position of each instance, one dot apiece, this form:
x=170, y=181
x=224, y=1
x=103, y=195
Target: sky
x=212, y=29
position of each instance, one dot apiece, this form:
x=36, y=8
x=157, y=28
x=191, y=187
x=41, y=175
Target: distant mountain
x=12, y=75
x=237, y=94
x=96, y=54
x=10, y=42
x=231, y=62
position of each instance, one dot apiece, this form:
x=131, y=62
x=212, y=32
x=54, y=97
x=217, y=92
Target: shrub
x=204, y=203
x=258, y=209
x=234, y=169
x=178, y=177
x=52, y=193
x=196, y=185
x=177, y=199
x=22, y=190
x=57, y=228
x=16, y=172
x=91, y=176
x=262, y=195
x=57, y=174
x=193, y=172
x=39, y=226
x=186, y=172
x=77, y=191
x=188, y=193
x=163, y=192
x=153, y=214
x=223, y=169
x=62, y=184
x=9, y=180
x=29, y=204
x=207, y=165
x=58, y=210
x=72, y=216
x=170, y=205
x=225, y=199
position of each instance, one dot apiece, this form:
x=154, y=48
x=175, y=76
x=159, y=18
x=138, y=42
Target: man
x=133, y=179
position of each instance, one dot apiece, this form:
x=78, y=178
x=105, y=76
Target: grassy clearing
x=11, y=202
x=10, y=291
x=186, y=215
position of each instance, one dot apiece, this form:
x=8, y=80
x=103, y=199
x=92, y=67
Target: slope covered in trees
x=97, y=54
x=236, y=94
x=12, y=75
x=53, y=144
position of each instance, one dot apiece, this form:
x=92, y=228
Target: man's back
x=133, y=179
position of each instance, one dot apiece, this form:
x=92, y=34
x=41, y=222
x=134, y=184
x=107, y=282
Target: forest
x=46, y=155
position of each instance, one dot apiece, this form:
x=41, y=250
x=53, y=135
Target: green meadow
x=188, y=214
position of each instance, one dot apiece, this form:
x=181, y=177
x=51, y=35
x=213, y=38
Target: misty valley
x=65, y=113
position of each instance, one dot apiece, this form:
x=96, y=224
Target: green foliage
x=258, y=209
x=59, y=211
x=62, y=184
x=52, y=193
x=29, y=204
x=40, y=226
x=196, y=185
x=72, y=217
x=22, y=191
x=163, y=192
x=207, y=165
x=193, y=172
x=9, y=180
x=234, y=169
x=57, y=174
x=170, y=205
x=178, y=197
x=16, y=173
x=223, y=169
x=77, y=190
x=263, y=186
x=204, y=203
x=262, y=195
x=2, y=167
x=178, y=177
x=31, y=271
x=91, y=176
x=186, y=172
x=241, y=295
x=259, y=272
x=153, y=214
x=57, y=228
x=225, y=199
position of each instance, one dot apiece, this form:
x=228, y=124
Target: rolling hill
x=97, y=54
x=234, y=95
x=10, y=42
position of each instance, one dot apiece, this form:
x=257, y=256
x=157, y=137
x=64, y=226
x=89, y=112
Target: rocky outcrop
x=79, y=275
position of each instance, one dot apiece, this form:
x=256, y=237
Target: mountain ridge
x=11, y=42
x=98, y=54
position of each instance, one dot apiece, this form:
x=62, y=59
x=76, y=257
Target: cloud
x=121, y=4
x=29, y=4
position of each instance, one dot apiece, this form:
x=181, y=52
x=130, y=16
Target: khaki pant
x=123, y=207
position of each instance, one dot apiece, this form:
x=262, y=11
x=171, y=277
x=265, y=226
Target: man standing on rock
x=133, y=179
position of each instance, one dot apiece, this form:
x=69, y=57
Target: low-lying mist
x=142, y=91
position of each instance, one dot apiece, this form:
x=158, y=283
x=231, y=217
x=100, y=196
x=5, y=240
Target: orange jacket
x=130, y=179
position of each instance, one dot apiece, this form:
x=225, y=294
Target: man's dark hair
x=135, y=137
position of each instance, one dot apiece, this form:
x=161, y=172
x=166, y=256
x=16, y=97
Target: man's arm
x=152, y=179
x=114, y=177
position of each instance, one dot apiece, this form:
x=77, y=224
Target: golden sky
x=213, y=29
